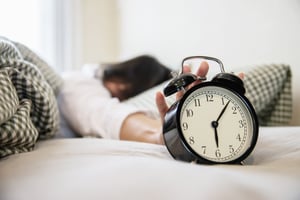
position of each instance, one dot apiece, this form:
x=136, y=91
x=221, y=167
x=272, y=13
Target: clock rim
x=248, y=105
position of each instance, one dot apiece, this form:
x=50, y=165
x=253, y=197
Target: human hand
x=160, y=99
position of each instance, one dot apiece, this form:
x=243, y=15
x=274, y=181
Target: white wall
x=240, y=33
x=100, y=30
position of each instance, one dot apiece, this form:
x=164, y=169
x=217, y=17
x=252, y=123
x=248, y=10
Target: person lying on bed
x=91, y=102
x=94, y=108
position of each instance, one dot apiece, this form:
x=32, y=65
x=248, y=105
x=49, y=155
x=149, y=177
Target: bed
x=87, y=168
x=42, y=166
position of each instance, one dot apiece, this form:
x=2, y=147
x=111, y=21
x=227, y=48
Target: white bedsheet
x=87, y=168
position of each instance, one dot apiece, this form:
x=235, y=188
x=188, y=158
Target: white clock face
x=216, y=124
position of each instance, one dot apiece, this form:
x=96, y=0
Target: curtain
x=62, y=33
x=51, y=28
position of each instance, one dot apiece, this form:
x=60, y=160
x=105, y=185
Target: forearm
x=141, y=128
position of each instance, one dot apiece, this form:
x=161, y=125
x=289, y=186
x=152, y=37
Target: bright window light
x=21, y=21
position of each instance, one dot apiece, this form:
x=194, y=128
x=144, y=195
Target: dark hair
x=141, y=72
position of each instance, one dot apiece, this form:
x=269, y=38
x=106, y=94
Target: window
x=51, y=28
x=21, y=21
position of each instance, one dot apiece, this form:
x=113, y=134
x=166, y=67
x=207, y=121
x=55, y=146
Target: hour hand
x=215, y=124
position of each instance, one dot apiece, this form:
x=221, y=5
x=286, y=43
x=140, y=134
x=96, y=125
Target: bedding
x=28, y=107
x=87, y=168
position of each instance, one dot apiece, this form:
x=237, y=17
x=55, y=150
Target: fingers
x=161, y=104
x=179, y=94
x=241, y=75
x=201, y=72
x=203, y=69
x=186, y=69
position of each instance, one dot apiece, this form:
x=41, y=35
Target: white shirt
x=89, y=108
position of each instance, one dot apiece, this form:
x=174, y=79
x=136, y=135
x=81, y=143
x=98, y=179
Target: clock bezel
x=243, y=99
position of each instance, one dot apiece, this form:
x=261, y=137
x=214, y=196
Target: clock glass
x=216, y=123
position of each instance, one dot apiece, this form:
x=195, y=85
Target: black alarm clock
x=213, y=122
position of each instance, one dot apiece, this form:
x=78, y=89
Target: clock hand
x=215, y=124
x=222, y=112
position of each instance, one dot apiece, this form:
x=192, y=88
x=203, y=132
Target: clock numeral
x=189, y=112
x=197, y=102
x=203, y=149
x=241, y=123
x=209, y=97
x=185, y=126
x=238, y=137
x=191, y=140
x=218, y=153
x=223, y=102
x=231, y=149
x=234, y=110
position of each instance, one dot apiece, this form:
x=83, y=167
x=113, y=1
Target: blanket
x=28, y=108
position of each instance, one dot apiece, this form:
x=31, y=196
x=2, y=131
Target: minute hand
x=223, y=110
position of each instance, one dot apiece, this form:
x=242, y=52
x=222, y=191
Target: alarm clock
x=213, y=122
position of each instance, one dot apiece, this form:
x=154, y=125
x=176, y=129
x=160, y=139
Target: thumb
x=161, y=104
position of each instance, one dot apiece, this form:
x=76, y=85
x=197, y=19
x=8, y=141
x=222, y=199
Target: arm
x=139, y=127
x=90, y=110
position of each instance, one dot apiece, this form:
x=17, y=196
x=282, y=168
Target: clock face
x=216, y=124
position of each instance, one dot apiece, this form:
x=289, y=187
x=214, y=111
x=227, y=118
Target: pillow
x=268, y=87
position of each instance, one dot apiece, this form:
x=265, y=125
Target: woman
x=92, y=104
x=94, y=108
